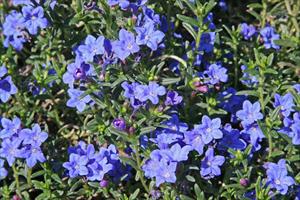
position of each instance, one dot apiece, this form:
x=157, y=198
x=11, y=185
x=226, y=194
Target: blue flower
x=124, y=4
x=209, y=129
x=91, y=47
x=10, y=150
x=286, y=103
x=99, y=167
x=77, y=71
x=248, y=79
x=194, y=139
x=7, y=87
x=216, y=74
x=34, y=19
x=166, y=173
x=34, y=136
x=269, y=36
x=250, y=113
x=20, y=2
x=210, y=165
x=33, y=154
x=77, y=165
x=247, y=31
x=148, y=35
x=173, y=98
x=126, y=45
x=231, y=139
x=207, y=42
x=292, y=128
x=256, y=135
x=179, y=153
x=150, y=92
x=10, y=127
x=277, y=177
x=119, y=124
x=297, y=88
x=3, y=171
x=76, y=101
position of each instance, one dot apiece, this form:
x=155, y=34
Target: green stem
x=270, y=145
x=139, y=165
x=29, y=172
x=17, y=179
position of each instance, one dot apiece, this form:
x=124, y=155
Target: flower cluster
x=21, y=143
x=18, y=25
x=85, y=161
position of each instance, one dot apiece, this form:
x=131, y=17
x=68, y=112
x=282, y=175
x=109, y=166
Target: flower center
x=277, y=181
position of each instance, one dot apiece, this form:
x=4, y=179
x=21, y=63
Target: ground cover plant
x=150, y=99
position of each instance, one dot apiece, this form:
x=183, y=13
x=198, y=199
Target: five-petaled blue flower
x=7, y=87
x=126, y=45
x=216, y=74
x=209, y=129
x=34, y=19
x=269, y=37
x=10, y=127
x=286, y=103
x=91, y=47
x=77, y=165
x=210, y=165
x=76, y=101
x=277, y=177
x=247, y=31
x=250, y=113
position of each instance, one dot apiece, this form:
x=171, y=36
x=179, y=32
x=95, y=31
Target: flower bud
x=119, y=124
x=244, y=182
x=103, y=183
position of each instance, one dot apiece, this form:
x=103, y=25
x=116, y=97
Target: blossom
x=78, y=70
x=76, y=101
x=297, y=88
x=231, y=139
x=194, y=139
x=209, y=129
x=166, y=173
x=173, y=98
x=126, y=45
x=99, y=167
x=247, y=31
x=7, y=87
x=119, y=124
x=277, y=177
x=34, y=136
x=33, y=154
x=216, y=74
x=76, y=165
x=147, y=35
x=247, y=78
x=150, y=92
x=179, y=153
x=3, y=171
x=34, y=19
x=122, y=3
x=207, y=42
x=286, y=103
x=91, y=47
x=210, y=165
x=10, y=127
x=269, y=36
x=10, y=150
x=250, y=113
x=256, y=135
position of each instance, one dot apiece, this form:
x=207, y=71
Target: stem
x=139, y=164
x=29, y=171
x=261, y=90
x=270, y=145
x=17, y=180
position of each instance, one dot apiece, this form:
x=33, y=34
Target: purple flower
x=250, y=113
x=76, y=101
x=119, y=124
x=210, y=165
x=34, y=19
x=297, y=88
x=10, y=150
x=292, y=128
x=209, y=129
x=277, y=177
x=19, y=2
x=77, y=71
x=34, y=136
x=148, y=35
x=10, y=127
x=3, y=171
x=286, y=103
x=179, y=153
x=92, y=47
x=173, y=98
x=247, y=31
x=126, y=45
x=150, y=92
x=166, y=173
x=216, y=74
x=99, y=167
x=269, y=36
x=207, y=42
x=33, y=154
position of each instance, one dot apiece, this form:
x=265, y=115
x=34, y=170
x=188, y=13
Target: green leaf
x=148, y=129
x=190, y=29
x=286, y=43
x=135, y=194
x=190, y=178
x=188, y=20
x=183, y=197
x=170, y=81
x=199, y=193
